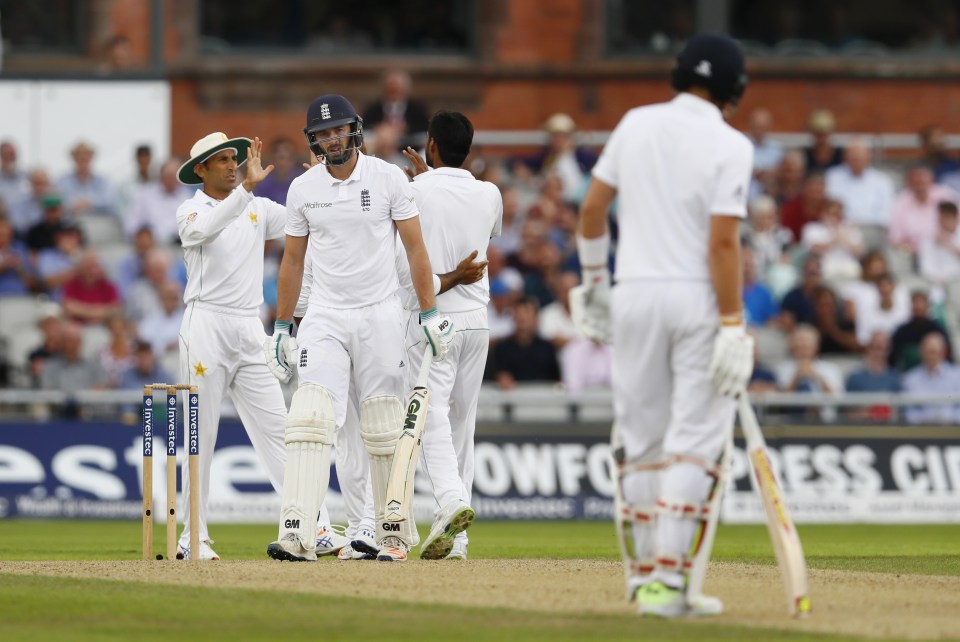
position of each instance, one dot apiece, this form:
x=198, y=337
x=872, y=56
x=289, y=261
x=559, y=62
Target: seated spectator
x=156, y=205
x=905, y=348
x=13, y=182
x=396, y=107
x=839, y=243
x=41, y=235
x=161, y=328
x=524, y=356
x=758, y=304
x=875, y=375
x=880, y=313
x=130, y=268
x=563, y=157
x=767, y=153
x=866, y=192
x=142, y=175
x=57, y=265
x=500, y=309
x=117, y=356
x=862, y=296
x=498, y=268
x=145, y=369
x=837, y=330
x=541, y=282
x=940, y=254
x=586, y=364
x=806, y=372
x=85, y=192
x=935, y=154
x=50, y=322
x=797, y=304
x=286, y=167
x=89, y=296
x=513, y=217
x=16, y=275
x=913, y=218
x=768, y=238
x=556, y=326
x=788, y=180
x=933, y=375
x=144, y=296
x=762, y=379
x=806, y=207
x=822, y=155
x=69, y=371
x=28, y=211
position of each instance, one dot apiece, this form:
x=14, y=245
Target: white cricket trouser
x=454, y=386
x=221, y=352
x=353, y=471
x=664, y=401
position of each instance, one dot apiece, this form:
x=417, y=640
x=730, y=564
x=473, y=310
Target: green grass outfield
x=52, y=608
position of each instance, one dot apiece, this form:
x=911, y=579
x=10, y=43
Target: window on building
x=648, y=26
x=338, y=28
x=43, y=26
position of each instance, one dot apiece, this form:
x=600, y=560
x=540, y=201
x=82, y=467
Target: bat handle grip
x=425, y=364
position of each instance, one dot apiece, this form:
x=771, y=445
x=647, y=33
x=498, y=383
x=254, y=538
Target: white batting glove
x=590, y=305
x=439, y=331
x=732, y=362
x=280, y=351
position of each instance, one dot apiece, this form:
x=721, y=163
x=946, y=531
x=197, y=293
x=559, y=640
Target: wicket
x=191, y=442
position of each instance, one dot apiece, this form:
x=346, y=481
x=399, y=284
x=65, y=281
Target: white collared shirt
x=458, y=214
x=223, y=247
x=352, y=235
x=867, y=199
x=674, y=165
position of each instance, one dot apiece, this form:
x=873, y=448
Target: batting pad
x=381, y=421
x=309, y=435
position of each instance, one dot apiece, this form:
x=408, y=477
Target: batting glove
x=590, y=305
x=439, y=331
x=732, y=362
x=280, y=351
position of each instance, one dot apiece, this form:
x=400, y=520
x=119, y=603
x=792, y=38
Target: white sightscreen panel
x=49, y=117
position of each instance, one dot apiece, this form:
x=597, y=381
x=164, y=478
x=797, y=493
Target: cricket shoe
x=459, y=551
x=290, y=549
x=364, y=547
x=452, y=520
x=206, y=551
x=331, y=539
x=656, y=599
x=393, y=550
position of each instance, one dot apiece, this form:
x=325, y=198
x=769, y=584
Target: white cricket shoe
x=459, y=551
x=206, y=551
x=290, y=549
x=331, y=539
x=393, y=550
x=363, y=547
x=455, y=518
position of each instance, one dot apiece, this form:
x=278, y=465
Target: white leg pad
x=381, y=423
x=309, y=436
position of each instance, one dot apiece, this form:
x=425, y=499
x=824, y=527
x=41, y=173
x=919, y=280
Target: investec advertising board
x=523, y=471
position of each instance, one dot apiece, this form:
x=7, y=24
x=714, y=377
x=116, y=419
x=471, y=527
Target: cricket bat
x=783, y=532
x=407, y=453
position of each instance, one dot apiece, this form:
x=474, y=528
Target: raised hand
x=255, y=171
x=419, y=165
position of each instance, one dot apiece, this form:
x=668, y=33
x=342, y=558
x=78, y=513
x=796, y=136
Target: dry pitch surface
x=877, y=605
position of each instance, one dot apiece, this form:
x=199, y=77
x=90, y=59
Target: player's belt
x=222, y=309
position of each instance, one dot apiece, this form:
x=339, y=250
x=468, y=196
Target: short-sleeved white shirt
x=458, y=214
x=351, y=227
x=223, y=247
x=674, y=165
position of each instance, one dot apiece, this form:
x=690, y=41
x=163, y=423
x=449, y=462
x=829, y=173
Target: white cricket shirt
x=674, y=165
x=352, y=234
x=458, y=214
x=223, y=247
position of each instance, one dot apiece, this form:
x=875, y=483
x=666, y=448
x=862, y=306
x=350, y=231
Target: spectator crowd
x=848, y=280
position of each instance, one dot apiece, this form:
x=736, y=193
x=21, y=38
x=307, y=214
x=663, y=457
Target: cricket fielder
x=345, y=212
x=458, y=215
x=223, y=228
x=681, y=351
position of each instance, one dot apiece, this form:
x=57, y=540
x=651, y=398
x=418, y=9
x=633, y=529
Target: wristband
x=594, y=253
x=428, y=314
x=436, y=285
x=283, y=327
x=732, y=320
